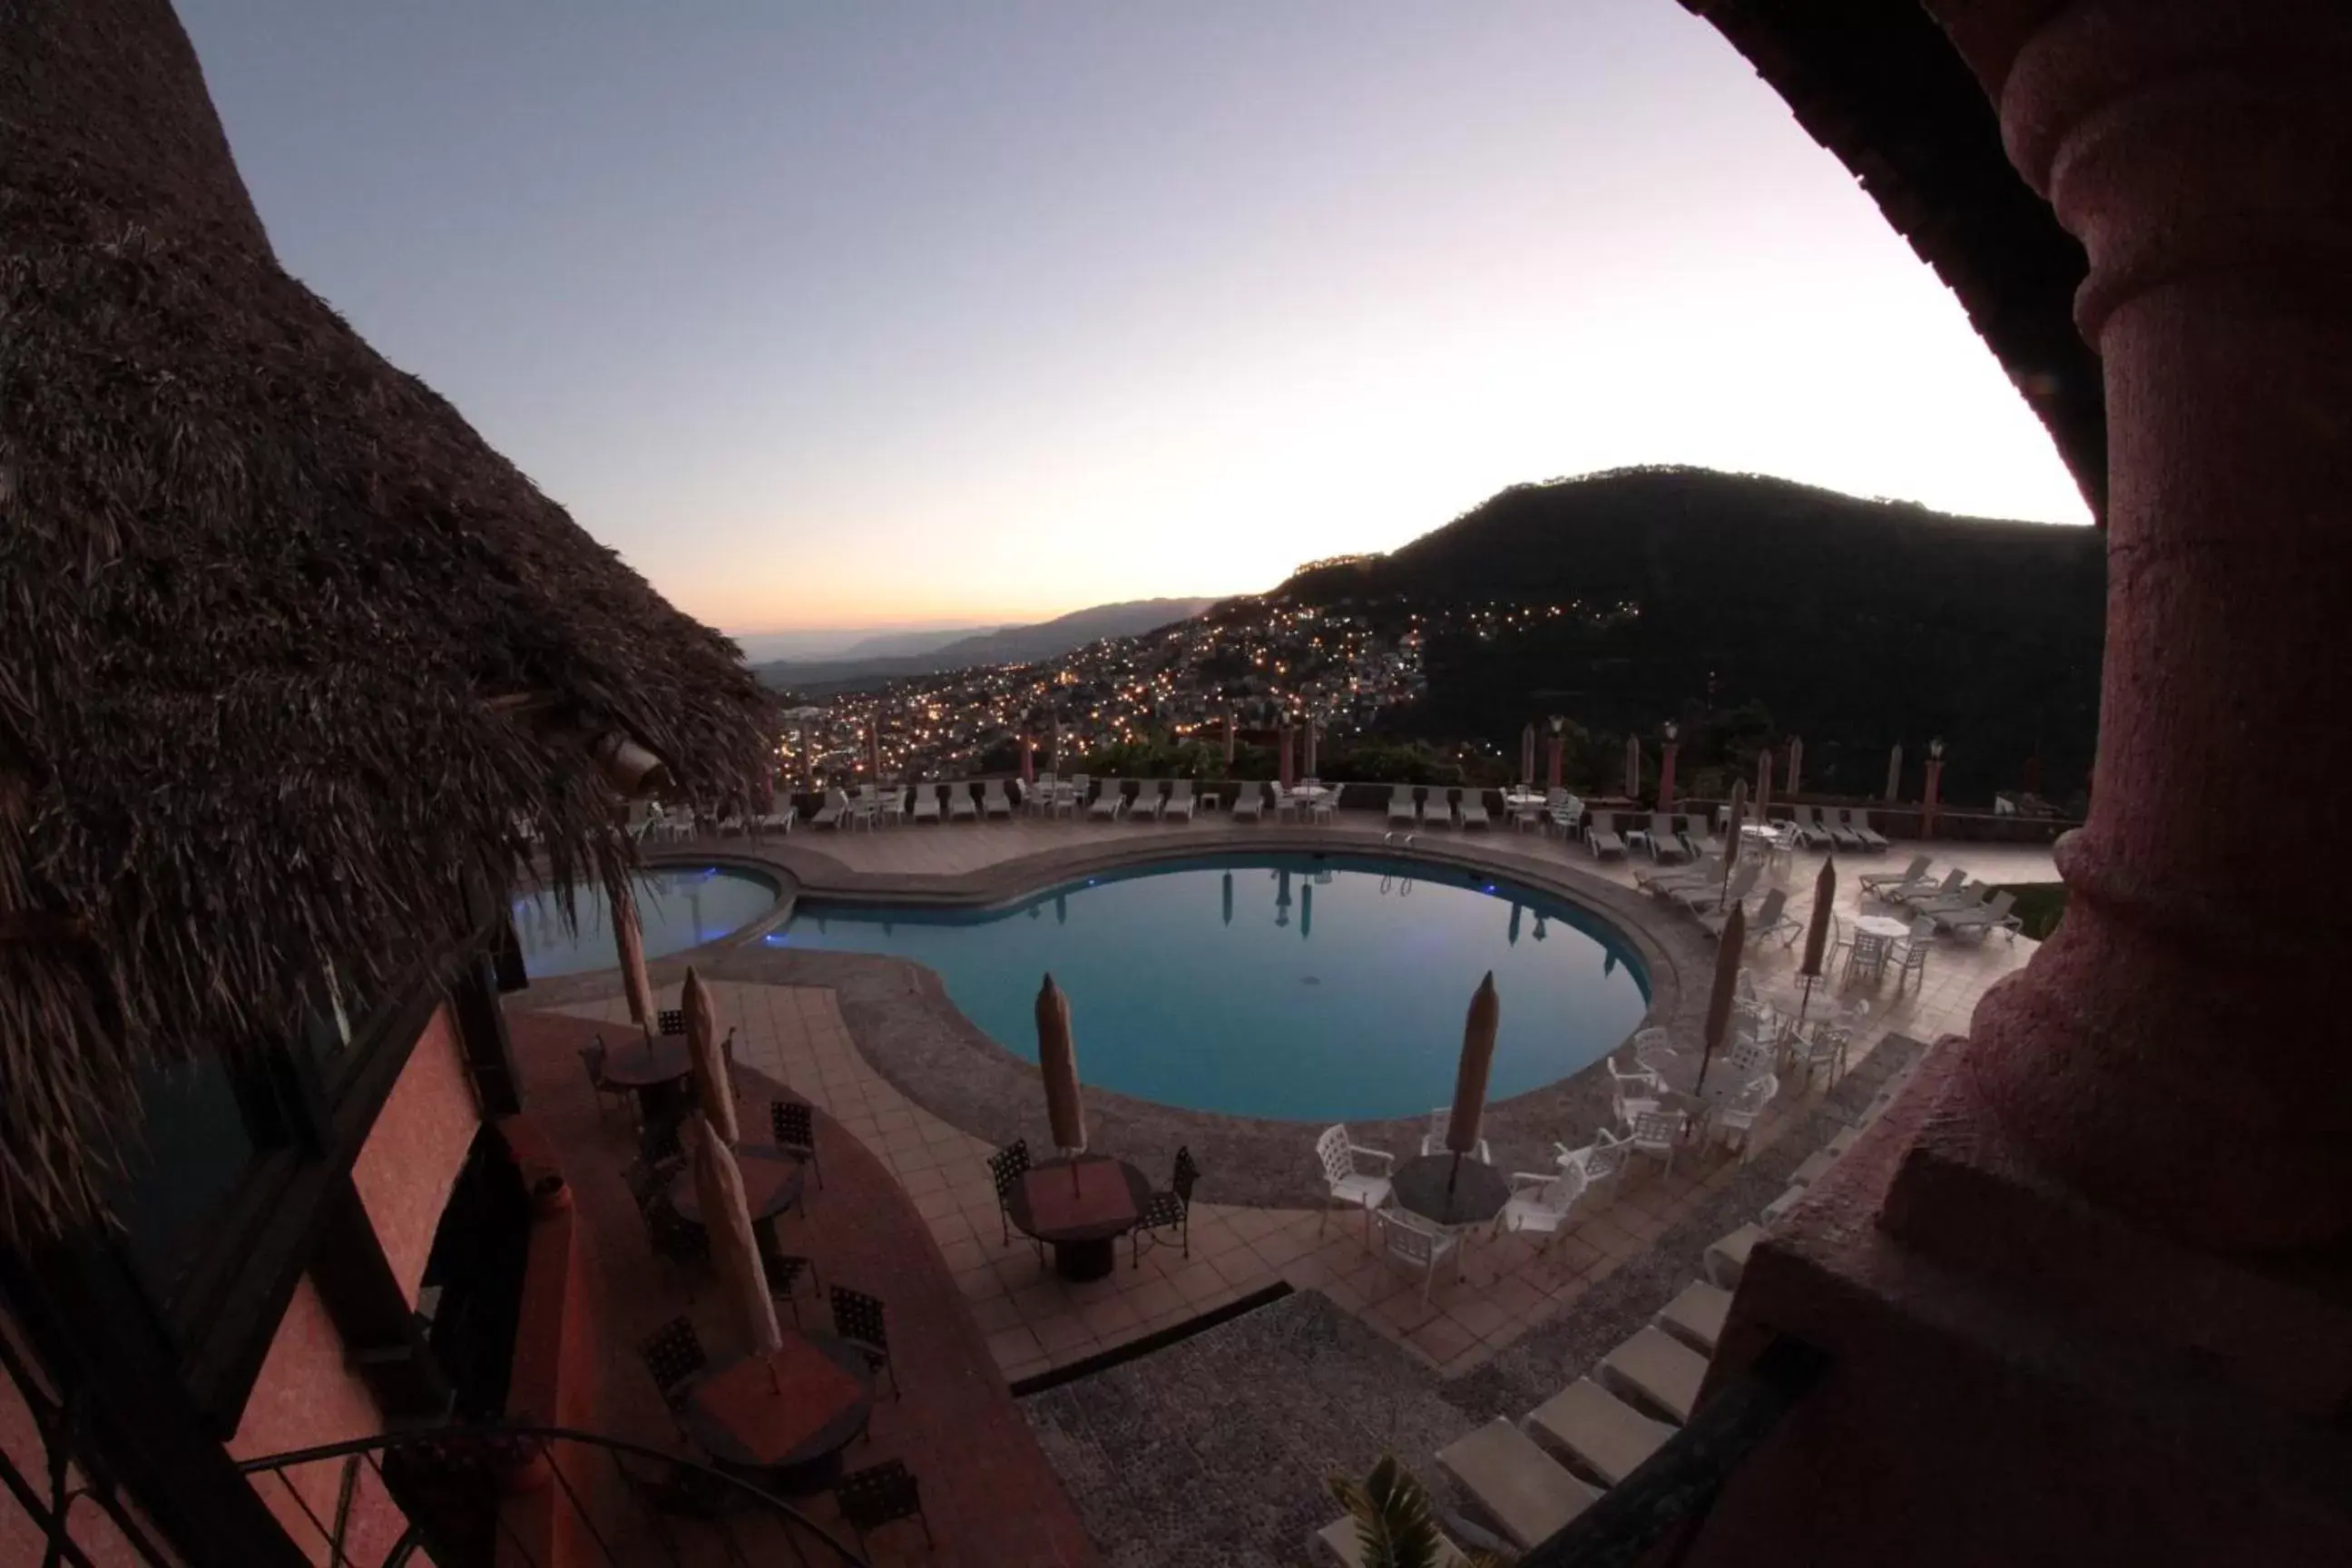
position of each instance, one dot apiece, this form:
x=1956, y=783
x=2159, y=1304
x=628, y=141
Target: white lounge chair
x=1771, y=917
x=1886, y=884
x=1341, y=1158
x=1703, y=897
x=1664, y=843
x=1341, y=1543
x=1406, y=1239
x=1249, y=802
x=1597, y=1430
x=1402, y=811
x=961, y=805
x=1433, y=1141
x=780, y=820
x=1841, y=835
x=1655, y=1369
x=1993, y=915
x=1602, y=837
x=1146, y=803
x=1472, y=812
x=1178, y=807
x=1972, y=895
x=1811, y=832
x=1110, y=801
x=1857, y=822
x=927, y=803
x=1514, y=1483
x=994, y=801
x=1541, y=1202
x=834, y=812
x=1929, y=892
x=1699, y=838
x=1660, y=879
x=1727, y=1259
x=1696, y=1315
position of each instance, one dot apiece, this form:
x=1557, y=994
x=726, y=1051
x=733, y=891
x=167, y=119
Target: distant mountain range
x=1005, y=645
x=1855, y=623
x=852, y=642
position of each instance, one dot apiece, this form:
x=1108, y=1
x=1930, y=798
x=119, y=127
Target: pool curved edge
x=903, y=1022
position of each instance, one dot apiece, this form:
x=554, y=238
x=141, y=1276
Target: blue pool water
x=1302, y=987
x=676, y=909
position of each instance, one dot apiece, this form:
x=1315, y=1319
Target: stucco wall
x=416, y=1149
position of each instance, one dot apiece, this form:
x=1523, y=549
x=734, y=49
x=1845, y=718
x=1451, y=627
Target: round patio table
x=787, y=1415
x=1081, y=1217
x=1432, y=1187
x=656, y=1069
x=773, y=1182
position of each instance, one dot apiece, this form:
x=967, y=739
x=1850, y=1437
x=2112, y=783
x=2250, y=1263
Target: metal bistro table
x=1450, y=1198
x=787, y=1415
x=1081, y=1216
x=656, y=1069
x=773, y=1182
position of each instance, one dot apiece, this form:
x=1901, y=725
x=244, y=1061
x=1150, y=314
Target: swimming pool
x=677, y=908
x=1293, y=987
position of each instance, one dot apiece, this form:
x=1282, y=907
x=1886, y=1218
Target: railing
x=470, y=1474
x=68, y=1478
x=1674, y=1488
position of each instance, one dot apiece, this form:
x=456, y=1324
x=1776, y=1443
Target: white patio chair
x=962, y=807
x=1249, y=802
x=1038, y=799
x=993, y=802
x=1910, y=954
x=1650, y=1046
x=1734, y=1124
x=1565, y=811
x=1602, y=837
x=1410, y=1241
x=1472, y=812
x=1540, y=1200
x=1632, y=1093
x=1110, y=801
x=1181, y=802
x=1145, y=806
x=1658, y=1133
x=927, y=803
x=1349, y=1184
x=1433, y=1141
x=1601, y=1160
x=1403, y=813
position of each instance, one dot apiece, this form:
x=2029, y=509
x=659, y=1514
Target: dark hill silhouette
x=1855, y=623
x=1006, y=644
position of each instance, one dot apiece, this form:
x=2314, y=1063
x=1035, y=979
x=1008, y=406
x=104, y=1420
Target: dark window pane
x=192, y=1149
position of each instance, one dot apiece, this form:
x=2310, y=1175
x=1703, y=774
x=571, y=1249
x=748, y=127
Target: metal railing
x=625, y=1514
x=67, y=1477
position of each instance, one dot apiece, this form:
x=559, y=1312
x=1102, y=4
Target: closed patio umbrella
x=1554, y=765
x=1632, y=767
x=1028, y=758
x=1726, y=986
x=1289, y=777
x=712, y=1083
x=1527, y=757
x=1763, y=784
x=1731, y=830
x=1796, y=763
x=874, y=746
x=1894, y=773
x=1470, y=1076
x=632, y=943
x=1309, y=769
x=1231, y=737
x=734, y=1253
x=1057, y=1060
x=1817, y=930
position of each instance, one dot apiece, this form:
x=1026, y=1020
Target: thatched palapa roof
x=286, y=649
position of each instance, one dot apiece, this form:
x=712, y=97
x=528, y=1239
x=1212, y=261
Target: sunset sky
x=830, y=314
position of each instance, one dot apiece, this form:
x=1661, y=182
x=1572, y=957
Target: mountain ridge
x=1005, y=645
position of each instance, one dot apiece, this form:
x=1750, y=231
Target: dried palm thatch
x=288, y=656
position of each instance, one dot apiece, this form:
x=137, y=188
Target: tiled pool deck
x=934, y=1133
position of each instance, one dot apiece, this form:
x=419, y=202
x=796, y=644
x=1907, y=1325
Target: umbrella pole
x=1453, y=1171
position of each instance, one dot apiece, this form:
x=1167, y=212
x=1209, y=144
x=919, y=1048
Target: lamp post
x=1666, y=766
x=1935, y=783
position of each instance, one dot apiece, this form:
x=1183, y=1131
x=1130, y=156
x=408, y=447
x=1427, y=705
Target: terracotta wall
x=307, y=1394
x=416, y=1149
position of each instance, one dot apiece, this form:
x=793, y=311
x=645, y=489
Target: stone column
x=2180, y=1050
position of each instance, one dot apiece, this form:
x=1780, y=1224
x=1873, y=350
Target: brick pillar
x=2203, y=156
